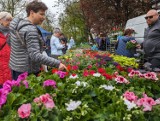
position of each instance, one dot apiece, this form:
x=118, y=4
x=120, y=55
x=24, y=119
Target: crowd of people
x=22, y=45
x=101, y=42
x=150, y=45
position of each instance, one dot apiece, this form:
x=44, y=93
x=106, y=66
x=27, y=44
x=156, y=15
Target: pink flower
x=130, y=96
x=3, y=97
x=75, y=67
x=49, y=104
x=24, y=110
x=146, y=102
x=36, y=100
x=49, y=83
x=134, y=73
x=15, y=83
x=61, y=74
x=22, y=76
x=121, y=79
x=151, y=75
x=141, y=76
x=140, y=102
x=25, y=83
x=133, y=41
x=89, y=66
x=78, y=63
x=44, y=98
x=47, y=101
x=7, y=86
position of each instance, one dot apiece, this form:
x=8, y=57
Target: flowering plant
x=95, y=88
x=131, y=44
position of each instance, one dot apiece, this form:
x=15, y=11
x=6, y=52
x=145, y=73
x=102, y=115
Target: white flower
x=97, y=74
x=110, y=87
x=157, y=101
x=78, y=83
x=72, y=105
x=129, y=104
x=84, y=84
x=73, y=77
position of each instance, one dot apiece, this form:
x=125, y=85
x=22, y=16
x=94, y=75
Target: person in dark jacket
x=122, y=40
x=27, y=45
x=64, y=41
x=102, y=42
x=5, y=73
x=151, y=44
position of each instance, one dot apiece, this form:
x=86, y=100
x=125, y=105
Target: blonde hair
x=5, y=15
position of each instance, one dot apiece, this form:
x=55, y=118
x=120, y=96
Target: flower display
x=96, y=86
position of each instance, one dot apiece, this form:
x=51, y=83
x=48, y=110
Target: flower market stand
x=98, y=86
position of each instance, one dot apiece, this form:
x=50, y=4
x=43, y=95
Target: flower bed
x=96, y=88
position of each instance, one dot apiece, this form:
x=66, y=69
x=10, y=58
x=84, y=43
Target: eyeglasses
x=148, y=17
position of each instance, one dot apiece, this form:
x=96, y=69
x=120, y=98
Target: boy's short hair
x=35, y=6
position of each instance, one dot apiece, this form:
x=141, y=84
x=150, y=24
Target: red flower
x=91, y=72
x=119, y=68
x=129, y=70
x=74, y=74
x=69, y=67
x=101, y=70
x=54, y=71
x=67, y=73
x=85, y=73
x=75, y=67
x=89, y=66
x=107, y=76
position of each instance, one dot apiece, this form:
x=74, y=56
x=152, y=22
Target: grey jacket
x=151, y=44
x=27, y=57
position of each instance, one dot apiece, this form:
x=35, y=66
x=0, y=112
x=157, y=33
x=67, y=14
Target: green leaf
x=10, y=99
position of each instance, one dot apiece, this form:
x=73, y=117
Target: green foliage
x=72, y=22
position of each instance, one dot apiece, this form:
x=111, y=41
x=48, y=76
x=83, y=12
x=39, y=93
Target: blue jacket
x=56, y=46
x=121, y=49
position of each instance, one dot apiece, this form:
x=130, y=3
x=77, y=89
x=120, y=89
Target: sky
x=54, y=9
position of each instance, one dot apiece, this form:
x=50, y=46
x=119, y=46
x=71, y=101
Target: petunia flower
x=72, y=105
x=24, y=110
x=73, y=76
x=51, y=83
x=109, y=87
x=22, y=76
x=97, y=74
